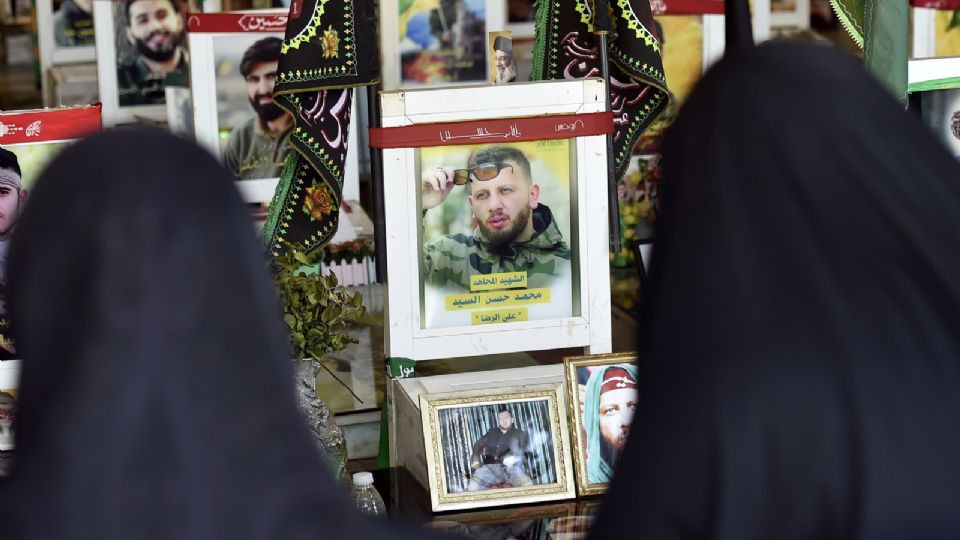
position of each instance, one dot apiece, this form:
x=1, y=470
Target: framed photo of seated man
x=491, y=227
x=498, y=447
x=235, y=59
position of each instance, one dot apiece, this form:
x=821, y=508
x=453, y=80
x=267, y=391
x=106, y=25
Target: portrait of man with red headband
x=610, y=399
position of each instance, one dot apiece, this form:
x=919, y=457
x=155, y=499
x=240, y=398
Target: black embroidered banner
x=328, y=49
x=565, y=48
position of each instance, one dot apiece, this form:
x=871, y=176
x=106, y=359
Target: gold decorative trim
x=441, y=500
x=575, y=418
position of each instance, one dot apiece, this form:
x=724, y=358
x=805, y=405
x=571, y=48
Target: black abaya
x=156, y=396
x=799, y=352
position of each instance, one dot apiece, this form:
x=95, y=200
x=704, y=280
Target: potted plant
x=315, y=310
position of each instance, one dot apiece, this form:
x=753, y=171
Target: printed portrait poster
x=442, y=41
x=503, y=67
x=252, y=128
x=607, y=397
x=498, y=250
x=490, y=447
x=14, y=194
x=150, y=47
x=941, y=113
x=73, y=23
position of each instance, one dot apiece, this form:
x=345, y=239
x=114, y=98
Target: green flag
x=881, y=29
x=329, y=48
x=565, y=48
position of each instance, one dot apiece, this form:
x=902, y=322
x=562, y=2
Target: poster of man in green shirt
x=257, y=144
x=149, y=50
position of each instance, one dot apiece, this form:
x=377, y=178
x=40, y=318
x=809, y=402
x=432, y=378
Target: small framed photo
x=233, y=70
x=65, y=31
x=503, y=66
x=141, y=48
x=601, y=399
x=492, y=219
x=33, y=138
x=496, y=447
x=437, y=43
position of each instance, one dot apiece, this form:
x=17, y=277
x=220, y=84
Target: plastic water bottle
x=368, y=500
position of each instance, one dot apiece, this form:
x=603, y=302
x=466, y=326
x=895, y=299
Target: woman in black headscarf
x=157, y=394
x=799, y=352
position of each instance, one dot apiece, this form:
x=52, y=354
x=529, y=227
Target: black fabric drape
x=156, y=397
x=799, y=353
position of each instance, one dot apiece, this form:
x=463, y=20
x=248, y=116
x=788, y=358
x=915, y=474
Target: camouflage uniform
x=450, y=260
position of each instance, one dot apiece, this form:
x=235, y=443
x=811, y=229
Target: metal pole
x=613, y=214
x=376, y=181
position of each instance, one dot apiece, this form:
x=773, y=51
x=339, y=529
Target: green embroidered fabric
x=881, y=29
x=566, y=48
x=328, y=49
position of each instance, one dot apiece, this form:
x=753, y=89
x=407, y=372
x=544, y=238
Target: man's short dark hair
x=127, y=3
x=8, y=160
x=265, y=50
x=503, y=43
x=505, y=411
x=495, y=153
x=955, y=124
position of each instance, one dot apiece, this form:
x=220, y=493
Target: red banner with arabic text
x=686, y=7
x=236, y=22
x=536, y=128
x=948, y=5
x=40, y=126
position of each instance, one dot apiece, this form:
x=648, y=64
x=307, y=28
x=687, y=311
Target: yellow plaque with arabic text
x=501, y=280
x=498, y=316
x=499, y=299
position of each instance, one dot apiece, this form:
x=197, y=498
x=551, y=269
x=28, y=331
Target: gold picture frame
x=531, y=464
x=575, y=368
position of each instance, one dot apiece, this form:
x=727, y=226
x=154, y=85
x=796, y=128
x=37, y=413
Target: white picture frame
x=406, y=335
x=52, y=54
x=495, y=19
x=923, y=33
x=204, y=32
x=106, y=21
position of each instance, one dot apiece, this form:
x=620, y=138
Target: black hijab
x=156, y=396
x=799, y=354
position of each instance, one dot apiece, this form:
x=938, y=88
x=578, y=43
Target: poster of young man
x=442, y=41
x=73, y=23
x=149, y=47
x=253, y=129
x=496, y=238
x=28, y=141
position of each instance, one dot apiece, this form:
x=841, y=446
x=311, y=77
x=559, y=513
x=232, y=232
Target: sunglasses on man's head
x=482, y=172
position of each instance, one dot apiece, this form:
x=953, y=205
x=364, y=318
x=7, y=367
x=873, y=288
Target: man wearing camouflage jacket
x=515, y=232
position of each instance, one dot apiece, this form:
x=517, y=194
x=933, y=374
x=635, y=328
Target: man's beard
x=158, y=55
x=268, y=112
x=609, y=452
x=508, y=234
x=507, y=74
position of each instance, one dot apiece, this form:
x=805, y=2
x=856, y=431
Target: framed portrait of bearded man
x=496, y=219
x=232, y=74
x=141, y=49
x=601, y=398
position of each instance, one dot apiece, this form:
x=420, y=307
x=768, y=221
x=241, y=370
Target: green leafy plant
x=315, y=309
